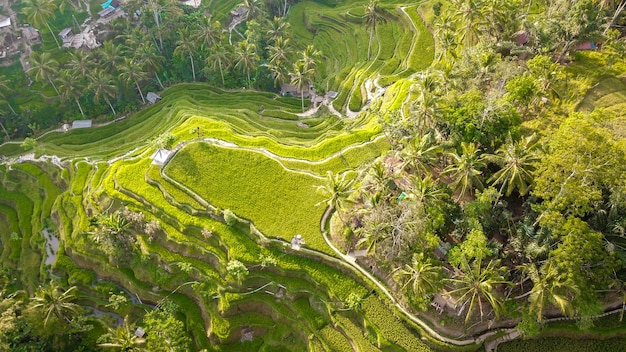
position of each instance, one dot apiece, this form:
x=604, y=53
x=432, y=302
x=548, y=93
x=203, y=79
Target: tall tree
x=81, y=63
x=300, y=78
x=112, y=55
x=185, y=45
x=53, y=301
x=549, y=287
x=336, y=191
x=44, y=67
x=131, y=72
x=422, y=277
x=123, y=338
x=219, y=59
x=517, y=162
x=101, y=83
x=374, y=15
x=70, y=86
x=465, y=169
x=476, y=287
x=39, y=12
x=246, y=58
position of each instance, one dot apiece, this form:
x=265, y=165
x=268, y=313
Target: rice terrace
x=331, y=175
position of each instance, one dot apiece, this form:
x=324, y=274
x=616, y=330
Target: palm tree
x=278, y=52
x=123, y=338
x=4, y=87
x=132, y=72
x=51, y=300
x=82, y=64
x=278, y=73
x=421, y=153
x=465, y=169
x=309, y=57
x=426, y=190
x=112, y=56
x=373, y=16
x=516, y=161
x=470, y=13
x=421, y=276
x=186, y=45
x=38, y=12
x=147, y=56
x=336, y=191
x=300, y=78
x=101, y=83
x=278, y=28
x=477, y=287
x=44, y=67
x=70, y=86
x=207, y=33
x=246, y=57
x=550, y=286
x=218, y=59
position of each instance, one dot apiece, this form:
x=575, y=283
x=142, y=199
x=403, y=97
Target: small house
x=31, y=34
x=5, y=21
x=140, y=332
x=332, y=94
x=297, y=242
x=106, y=12
x=288, y=89
x=589, y=45
x=81, y=124
x=152, y=97
x=66, y=35
x=160, y=157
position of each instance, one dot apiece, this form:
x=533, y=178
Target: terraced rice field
x=246, y=151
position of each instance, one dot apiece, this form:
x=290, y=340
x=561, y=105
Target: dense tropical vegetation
x=460, y=181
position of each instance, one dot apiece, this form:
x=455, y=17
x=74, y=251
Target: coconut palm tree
x=426, y=190
x=466, y=169
x=185, y=45
x=123, y=338
x=207, y=32
x=111, y=56
x=220, y=58
x=246, y=57
x=81, y=63
x=44, y=67
x=278, y=52
x=300, y=78
x=470, y=14
x=421, y=276
x=147, y=56
x=336, y=191
x=374, y=15
x=476, y=287
x=550, y=287
x=51, y=300
x=71, y=86
x=4, y=87
x=309, y=58
x=421, y=153
x=517, y=162
x=278, y=28
x=38, y=12
x=132, y=72
x=101, y=83
x=278, y=73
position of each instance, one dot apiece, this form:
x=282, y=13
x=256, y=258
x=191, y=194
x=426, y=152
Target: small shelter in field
x=66, y=35
x=520, y=38
x=297, y=242
x=81, y=124
x=5, y=21
x=160, y=156
x=289, y=89
x=152, y=97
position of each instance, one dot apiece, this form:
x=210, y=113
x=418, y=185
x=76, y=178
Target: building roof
x=65, y=32
x=240, y=11
x=590, y=45
x=81, y=124
x=5, y=21
x=106, y=12
x=160, y=156
x=152, y=97
x=521, y=37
